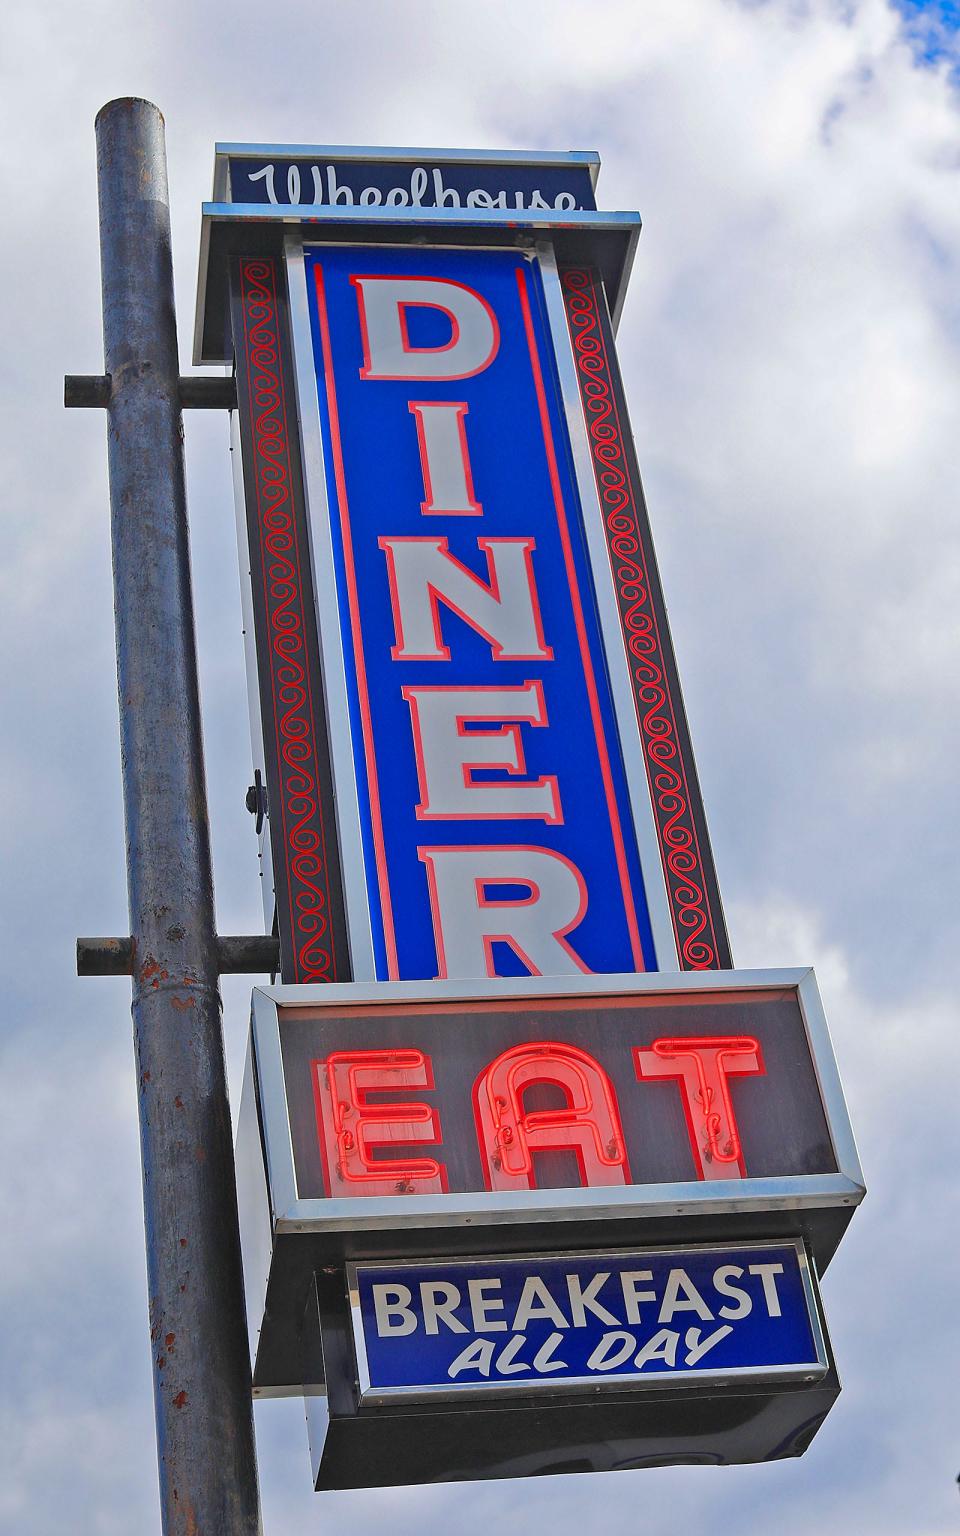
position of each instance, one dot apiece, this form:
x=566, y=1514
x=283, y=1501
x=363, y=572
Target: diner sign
x=498, y=836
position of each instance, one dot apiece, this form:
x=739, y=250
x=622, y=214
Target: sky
x=790, y=344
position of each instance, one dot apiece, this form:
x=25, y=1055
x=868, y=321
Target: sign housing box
x=289, y=1234
x=310, y=742
x=531, y=1432
x=289, y=229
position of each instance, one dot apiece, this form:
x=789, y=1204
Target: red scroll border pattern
x=298, y=769
x=666, y=771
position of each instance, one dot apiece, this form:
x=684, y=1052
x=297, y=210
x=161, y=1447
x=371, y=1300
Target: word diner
x=491, y=646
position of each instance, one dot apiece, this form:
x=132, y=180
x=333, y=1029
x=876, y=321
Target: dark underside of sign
x=300, y=1256
x=532, y=1434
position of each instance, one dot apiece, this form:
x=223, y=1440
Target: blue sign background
x=758, y=1341
x=383, y=480
x=293, y=181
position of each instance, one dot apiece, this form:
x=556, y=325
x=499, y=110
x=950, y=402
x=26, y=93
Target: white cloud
x=791, y=347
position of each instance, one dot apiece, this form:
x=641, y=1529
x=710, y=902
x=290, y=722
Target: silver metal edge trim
x=614, y=645
x=268, y=1065
x=356, y=1331
x=574, y=158
x=374, y=1396
x=253, y=1206
x=470, y=989
x=814, y=1311
x=513, y=219
x=319, y=514
x=251, y=670
x=537, y=1256
x=795, y=1192
x=221, y=176
x=625, y=275
x=577, y=1384
x=203, y=265
x=828, y=1079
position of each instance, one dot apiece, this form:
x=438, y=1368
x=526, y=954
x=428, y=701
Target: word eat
x=352, y=1126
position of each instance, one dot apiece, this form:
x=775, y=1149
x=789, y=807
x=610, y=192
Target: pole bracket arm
x=197, y=392
x=239, y=954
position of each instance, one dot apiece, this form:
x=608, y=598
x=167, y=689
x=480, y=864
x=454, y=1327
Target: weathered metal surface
x=85, y=391
x=208, y=1478
x=104, y=956
x=202, y=394
x=246, y=954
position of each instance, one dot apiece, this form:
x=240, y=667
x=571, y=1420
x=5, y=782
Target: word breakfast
x=577, y=1316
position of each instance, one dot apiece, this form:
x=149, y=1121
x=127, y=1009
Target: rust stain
x=180, y=1400
x=178, y=1102
x=170, y=1340
x=183, y=1003
x=152, y=971
x=161, y=1362
x=183, y=1242
x=200, y=1153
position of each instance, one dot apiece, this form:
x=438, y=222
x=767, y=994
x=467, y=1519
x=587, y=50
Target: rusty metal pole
x=201, y=1372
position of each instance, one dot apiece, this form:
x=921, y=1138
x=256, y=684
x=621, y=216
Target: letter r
x=469, y=916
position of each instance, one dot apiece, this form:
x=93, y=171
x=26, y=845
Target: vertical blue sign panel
x=497, y=829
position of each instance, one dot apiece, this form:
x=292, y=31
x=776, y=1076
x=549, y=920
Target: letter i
x=444, y=458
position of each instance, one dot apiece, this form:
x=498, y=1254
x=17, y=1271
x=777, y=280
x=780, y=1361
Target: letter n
x=504, y=609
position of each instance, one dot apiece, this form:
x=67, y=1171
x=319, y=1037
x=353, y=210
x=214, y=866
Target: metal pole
x=201, y=1372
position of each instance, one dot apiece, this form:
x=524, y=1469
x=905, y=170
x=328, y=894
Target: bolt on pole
x=201, y=1370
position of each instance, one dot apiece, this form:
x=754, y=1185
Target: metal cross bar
x=237, y=954
x=91, y=391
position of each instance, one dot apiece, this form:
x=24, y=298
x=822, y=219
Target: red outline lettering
x=348, y=1125
x=366, y=372
x=588, y=1125
x=560, y=934
x=427, y=507
x=515, y=767
x=702, y=1065
x=441, y=545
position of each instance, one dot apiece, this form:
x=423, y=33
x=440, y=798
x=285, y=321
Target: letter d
x=387, y=350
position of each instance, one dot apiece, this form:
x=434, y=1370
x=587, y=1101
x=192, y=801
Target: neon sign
x=509, y=1134
x=703, y=1068
x=498, y=833
x=352, y=1127
x=588, y=1123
